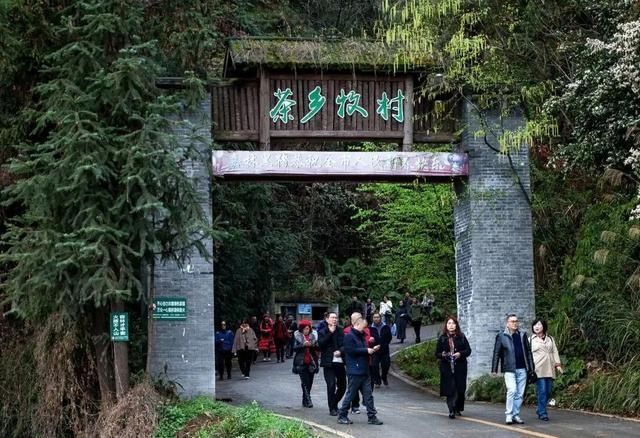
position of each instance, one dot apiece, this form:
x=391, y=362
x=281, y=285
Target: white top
x=385, y=307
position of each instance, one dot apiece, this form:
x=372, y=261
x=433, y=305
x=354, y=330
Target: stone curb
x=398, y=374
x=314, y=425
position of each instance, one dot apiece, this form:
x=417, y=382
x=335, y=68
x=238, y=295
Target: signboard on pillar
x=170, y=308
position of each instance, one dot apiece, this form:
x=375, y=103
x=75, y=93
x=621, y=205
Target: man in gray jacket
x=513, y=352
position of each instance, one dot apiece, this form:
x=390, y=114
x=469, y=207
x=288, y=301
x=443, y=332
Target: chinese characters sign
x=345, y=165
x=119, y=326
x=348, y=104
x=171, y=308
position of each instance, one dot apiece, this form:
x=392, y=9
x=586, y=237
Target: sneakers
x=333, y=412
x=508, y=420
x=355, y=411
x=517, y=419
x=452, y=415
x=375, y=421
x=246, y=377
x=344, y=420
x=543, y=418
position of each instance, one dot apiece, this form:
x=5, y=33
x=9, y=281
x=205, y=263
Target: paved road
x=408, y=411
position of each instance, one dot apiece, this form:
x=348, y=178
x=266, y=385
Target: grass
x=419, y=362
x=203, y=417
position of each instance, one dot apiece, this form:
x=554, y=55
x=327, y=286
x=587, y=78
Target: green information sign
x=171, y=308
x=119, y=327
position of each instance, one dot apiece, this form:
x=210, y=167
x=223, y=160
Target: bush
x=613, y=392
x=204, y=417
x=419, y=362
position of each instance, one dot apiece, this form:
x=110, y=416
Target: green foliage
x=419, y=362
x=612, y=392
x=410, y=233
x=104, y=190
x=488, y=388
x=220, y=420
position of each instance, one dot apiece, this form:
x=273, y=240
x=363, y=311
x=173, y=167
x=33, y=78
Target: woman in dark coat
x=452, y=352
x=402, y=318
x=305, y=361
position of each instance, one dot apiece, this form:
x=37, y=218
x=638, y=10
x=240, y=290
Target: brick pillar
x=494, y=238
x=186, y=348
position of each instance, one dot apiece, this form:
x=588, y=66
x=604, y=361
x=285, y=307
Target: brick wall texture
x=494, y=238
x=185, y=349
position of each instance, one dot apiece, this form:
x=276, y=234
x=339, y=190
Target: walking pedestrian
x=513, y=352
x=452, y=351
x=547, y=363
x=381, y=360
x=357, y=355
x=281, y=338
x=292, y=326
x=369, y=308
x=402, y=318
x=245, y=343
x=224, y=346
x=255, y=326
x=355, y=401
x=386, y=309
x=266, y=343
x=355, y=306
x=305, y=361
x=330, y=340
x=416, y=313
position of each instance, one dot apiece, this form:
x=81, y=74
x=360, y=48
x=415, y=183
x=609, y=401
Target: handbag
x=532, y=377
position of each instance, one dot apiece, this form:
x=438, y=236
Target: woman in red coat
x=266, y=344
x=281, y=337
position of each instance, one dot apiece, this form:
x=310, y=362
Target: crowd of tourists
x=355, y=359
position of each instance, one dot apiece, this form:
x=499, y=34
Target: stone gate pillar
x=185, y=349
x=494, y=238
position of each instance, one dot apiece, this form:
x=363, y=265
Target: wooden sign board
x=351, y=166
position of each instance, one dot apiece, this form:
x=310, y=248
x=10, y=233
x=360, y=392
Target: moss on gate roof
x=343, y=55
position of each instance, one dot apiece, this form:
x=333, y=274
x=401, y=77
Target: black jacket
x=355, y=306
x=382, y=336
x=456, y=381
x=330, y=342
x=505, y=355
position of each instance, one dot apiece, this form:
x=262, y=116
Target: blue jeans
x=544, y=386
x=516, y=382
x=358, y=383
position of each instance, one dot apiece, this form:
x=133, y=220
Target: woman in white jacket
x=386, y=308
x=547, y=361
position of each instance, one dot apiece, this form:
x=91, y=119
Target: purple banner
x=338, y=165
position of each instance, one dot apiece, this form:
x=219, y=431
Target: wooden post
x=407, y=141
x=265, y=94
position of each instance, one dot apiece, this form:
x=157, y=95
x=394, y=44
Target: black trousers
x=380, y=362
x=306, y=382
x=245, y=358
x=336, y=380
x=223, y=360
x=280, y=346
x=416, y=328
x=358, y=384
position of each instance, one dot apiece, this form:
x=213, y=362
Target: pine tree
x=104, y=192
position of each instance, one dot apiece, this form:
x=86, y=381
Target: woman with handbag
x=452, y=351
x=305, y=361
x=547, y=362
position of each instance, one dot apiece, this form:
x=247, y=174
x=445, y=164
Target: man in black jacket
x=330, y=340
x=382, y=335
x=513, y=352
x=355, y=306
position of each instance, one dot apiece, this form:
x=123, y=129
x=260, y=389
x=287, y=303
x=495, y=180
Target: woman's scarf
x=452, y=359
x=307, y=350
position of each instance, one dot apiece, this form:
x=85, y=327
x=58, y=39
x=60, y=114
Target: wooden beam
x=350, y=135
x=407, y=141
x=263, y=111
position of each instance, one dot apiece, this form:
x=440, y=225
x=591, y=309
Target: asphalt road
x=408, y=411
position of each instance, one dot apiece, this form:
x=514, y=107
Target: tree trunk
x=120, y=359
x=100, y=339
x=150, y=322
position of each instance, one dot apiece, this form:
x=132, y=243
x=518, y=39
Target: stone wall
x=494, y=238
x=185, y=349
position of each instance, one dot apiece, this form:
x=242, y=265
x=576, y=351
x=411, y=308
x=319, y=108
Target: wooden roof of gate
x=335, y=55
